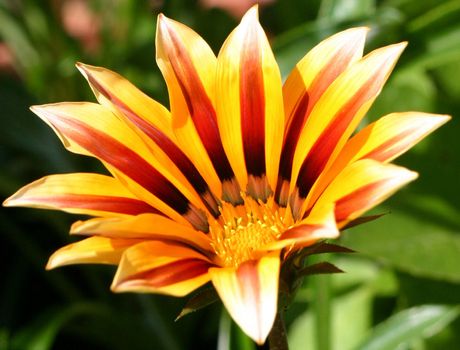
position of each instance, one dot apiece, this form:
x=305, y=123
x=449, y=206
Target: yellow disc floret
x=243, y=231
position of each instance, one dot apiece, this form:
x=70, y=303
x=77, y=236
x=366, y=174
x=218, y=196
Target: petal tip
x=10, y=201
x=399, y=47
x=251, y=15
x=444, y=118
x=83, y=68
x=52, y=263
x=49, y=266
x=163, y=22
x=41, y=110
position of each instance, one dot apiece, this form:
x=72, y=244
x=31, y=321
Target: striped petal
x=145, y=226
x=392, y=135
x=383, y=140
x=93, y=250
x=250, y=106
x=151, y=119
x=336, y=115
x=250, y=294
x=361, y=186
x=90, y=194
x=91, y=129
x=188, y=66
x=305, y=85
x=112, y=90
x=319, y=225
x=159, y=267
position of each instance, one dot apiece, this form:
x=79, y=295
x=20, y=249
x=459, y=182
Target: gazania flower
x=241, y=173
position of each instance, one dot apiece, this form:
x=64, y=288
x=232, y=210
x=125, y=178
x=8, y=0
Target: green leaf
x=40, y=335
x=337, y=10
x=408, y=89
x=426, y=245
x=356, y=305
x=410, y=325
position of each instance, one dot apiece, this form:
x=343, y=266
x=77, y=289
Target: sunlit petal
x=161, y=267
x=249, y=103
x=144, y=226
x=337, y=114
x=250, y=294
x=81, y=193
x=361, y=186
x=92, y=250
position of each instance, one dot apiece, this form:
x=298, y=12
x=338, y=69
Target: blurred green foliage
x=401, y=289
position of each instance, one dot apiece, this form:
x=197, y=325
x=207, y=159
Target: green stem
x=322, y=308
x=277, y=339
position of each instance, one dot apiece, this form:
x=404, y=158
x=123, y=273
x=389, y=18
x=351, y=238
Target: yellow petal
x=159, y=267
x=93, y=250
x=337, y=114
x=392, y=135
x=188, y=66
x=383, y=140
x=153, y=124
x=320, y=224
x=320, y=67
x=145, y=226
x=249, y=102
x=90, y=129
x=250, y=294
x=305, y=85
x=112, y=90
x=80, y=193
x=361, y=186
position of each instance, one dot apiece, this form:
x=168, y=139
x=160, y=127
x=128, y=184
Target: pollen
x=244, y=231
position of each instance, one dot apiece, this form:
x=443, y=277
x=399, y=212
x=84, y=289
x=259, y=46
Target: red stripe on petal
x=200, y=106
x=290, y=141
x=358, y=199
x=248, y=278
x=325, y=145
x=111, y=204
x=111, y=151
x=252, y=104
x=326, y=76
x=300, y=231
x=321, y=82
x=388, y=149
x=169, y=147
x=166, y=275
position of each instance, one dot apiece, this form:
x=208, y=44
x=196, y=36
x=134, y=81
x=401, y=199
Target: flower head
x=242, y=172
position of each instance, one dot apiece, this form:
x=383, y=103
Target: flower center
x=242, y=231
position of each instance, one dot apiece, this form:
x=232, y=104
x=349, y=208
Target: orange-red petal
x=150, y=119
x=92, y=250
x=160, y=267
x=361, y=186
x=188, y=66
x=144, y=226
x=80, y=193
x=249, y=104
x=250, y=294
x=337, y=114
x=93, y=130
x=307, y=82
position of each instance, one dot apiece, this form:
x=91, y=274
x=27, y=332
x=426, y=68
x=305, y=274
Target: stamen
x=244, y=230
